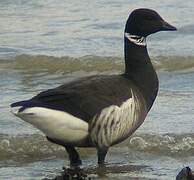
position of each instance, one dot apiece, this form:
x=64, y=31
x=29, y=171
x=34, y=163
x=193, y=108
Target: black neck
x=140, y=70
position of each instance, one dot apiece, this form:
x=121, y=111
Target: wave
x=168, y=144
x=88, y=63
x=34, y=147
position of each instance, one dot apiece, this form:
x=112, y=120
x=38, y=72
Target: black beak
x=167, y=27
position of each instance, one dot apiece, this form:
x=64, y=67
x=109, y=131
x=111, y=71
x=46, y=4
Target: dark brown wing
x=86, y=97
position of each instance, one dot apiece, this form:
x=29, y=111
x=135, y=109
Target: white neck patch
x=138, y=40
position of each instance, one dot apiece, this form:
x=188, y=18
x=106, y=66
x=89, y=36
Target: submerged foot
x=75, y=173
x=101, y=170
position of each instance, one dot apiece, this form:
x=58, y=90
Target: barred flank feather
x=113, y=124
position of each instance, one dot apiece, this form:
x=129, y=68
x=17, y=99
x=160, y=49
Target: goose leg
x=101, y=170
x=101, y=156
x=73, y=156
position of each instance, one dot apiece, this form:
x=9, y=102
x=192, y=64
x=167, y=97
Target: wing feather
x=86, y=97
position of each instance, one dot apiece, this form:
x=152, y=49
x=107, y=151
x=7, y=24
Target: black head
x=143, y=22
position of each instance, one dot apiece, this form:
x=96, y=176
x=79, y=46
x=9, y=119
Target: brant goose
x=100, y=111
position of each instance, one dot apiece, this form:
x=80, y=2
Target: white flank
x=138, y=40
x=55, y=124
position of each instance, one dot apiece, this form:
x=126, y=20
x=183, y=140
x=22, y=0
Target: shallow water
x=47, y=43
x=60, y=28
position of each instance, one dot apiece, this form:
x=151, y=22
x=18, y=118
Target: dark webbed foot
x=75, y=173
